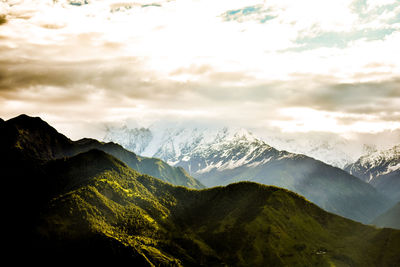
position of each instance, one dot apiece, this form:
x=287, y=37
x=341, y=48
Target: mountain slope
x=330, y=188
x=34, y=138
x=390, y=218
x=136, y=218
x=151, y=166
x=381, y=169
x=91, y=208
x=223, y=156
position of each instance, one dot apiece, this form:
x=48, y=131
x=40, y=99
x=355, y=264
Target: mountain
x=390, y=218
x=381, y=169
x=328, y=148
x=92, y=208
x=151, y=166
x=36, y=139
x=136, y=139
x=225, y=155
x=102, y=211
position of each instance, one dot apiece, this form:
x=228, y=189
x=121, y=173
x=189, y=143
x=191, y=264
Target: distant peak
x=98, y=158
x=24, y=117
x=86, y=141
x=26, y=120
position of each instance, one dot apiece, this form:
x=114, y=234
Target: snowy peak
x=332, y=150
x=136, y=139
x=197, y=149
x=381, y=169
x=376, y=164
x=373, y=159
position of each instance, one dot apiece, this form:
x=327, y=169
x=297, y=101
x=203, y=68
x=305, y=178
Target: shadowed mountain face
x=330, y=188
x=35, y=139
x=390, y=218
x=93, y=208
x=101, y=210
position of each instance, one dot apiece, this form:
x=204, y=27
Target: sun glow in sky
x=295, y=66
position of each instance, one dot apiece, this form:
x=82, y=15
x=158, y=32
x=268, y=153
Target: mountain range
x=380, y=169
x=91, y=207
x=220, y=156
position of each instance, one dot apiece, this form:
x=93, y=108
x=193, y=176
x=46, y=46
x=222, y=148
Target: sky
x=311, y=66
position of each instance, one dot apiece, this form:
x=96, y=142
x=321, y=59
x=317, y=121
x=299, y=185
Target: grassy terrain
x=242, y=224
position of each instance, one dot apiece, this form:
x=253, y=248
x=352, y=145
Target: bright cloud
x=295, y=65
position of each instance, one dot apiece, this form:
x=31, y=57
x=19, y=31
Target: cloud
x=3, y=19
x=340, y=39
x=373, y=97
x=252, y=65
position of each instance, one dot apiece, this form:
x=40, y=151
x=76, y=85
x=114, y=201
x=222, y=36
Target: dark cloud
x=122, y=76
x=3, y=19
x=366, y=97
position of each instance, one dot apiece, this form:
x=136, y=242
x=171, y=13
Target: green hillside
x=101, y=200
x=151, y=166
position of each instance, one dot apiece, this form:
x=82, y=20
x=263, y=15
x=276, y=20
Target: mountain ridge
x=37, y=139
x=228, y=156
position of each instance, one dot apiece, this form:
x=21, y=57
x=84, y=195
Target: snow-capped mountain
x=136, y=139
x=381, y=169
x=222, y=155
x=376, y=164
x=186, y=146
x=198, y=150
x=334, y=151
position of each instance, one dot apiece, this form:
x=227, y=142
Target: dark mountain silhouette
x=36, y=139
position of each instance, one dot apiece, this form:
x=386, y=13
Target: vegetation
x=330, y=188
x=151, y=166
x=242, y=224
